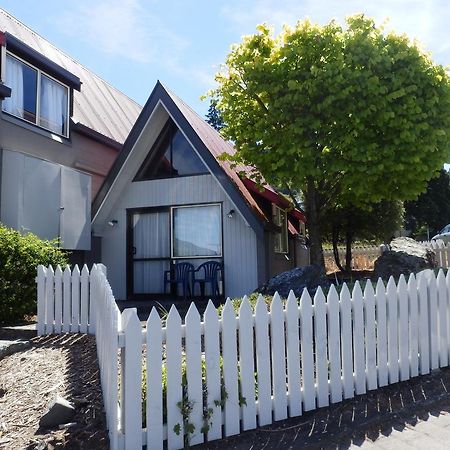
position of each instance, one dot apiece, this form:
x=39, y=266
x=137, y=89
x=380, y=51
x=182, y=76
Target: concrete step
x=8, y=347
x=18, y=332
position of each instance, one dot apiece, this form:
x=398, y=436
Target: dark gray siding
x=240, y=243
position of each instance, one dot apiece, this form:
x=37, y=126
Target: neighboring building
x=161, y=193
x=169, y=198
x=61, y=128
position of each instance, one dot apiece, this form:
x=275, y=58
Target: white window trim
x=38, y=96
x=276, y=208
x=172, y=208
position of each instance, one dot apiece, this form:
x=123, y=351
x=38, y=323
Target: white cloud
x=426, y=20
x=124, y=28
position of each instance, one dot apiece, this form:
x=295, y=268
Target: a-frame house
x=168, y=198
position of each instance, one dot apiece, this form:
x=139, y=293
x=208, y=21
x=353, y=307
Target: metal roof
x=98, y=106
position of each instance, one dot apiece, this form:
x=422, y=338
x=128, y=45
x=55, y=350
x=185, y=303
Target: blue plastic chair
x=182, y=273
x=211, y=270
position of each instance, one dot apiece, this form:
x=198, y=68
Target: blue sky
x=132, y=43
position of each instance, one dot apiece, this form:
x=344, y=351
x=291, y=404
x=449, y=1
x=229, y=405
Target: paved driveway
x=411, y=414
x=433, y=433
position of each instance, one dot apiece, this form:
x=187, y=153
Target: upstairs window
x=281, y=236
x=171, y=156
x=36, y=97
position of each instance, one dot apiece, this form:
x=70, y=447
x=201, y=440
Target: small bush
x=19, y=257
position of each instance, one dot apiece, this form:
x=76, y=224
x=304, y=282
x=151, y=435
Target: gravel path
x=29, y=380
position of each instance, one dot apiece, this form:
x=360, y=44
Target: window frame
x=38, y=97
x=283, y=230
x=172, y=231
x=163, y=139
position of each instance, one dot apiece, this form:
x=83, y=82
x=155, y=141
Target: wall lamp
x=231, y=213
x=112, y=223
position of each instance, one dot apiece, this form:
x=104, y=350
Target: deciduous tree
x=348, y=115
x=431, y=210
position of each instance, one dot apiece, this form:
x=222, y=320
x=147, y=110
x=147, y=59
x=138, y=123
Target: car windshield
x=446, y=229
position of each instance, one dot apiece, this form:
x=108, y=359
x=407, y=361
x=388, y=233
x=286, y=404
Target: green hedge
x=19, y=257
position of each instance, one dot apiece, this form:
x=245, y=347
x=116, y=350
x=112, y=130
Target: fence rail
x=200, y=382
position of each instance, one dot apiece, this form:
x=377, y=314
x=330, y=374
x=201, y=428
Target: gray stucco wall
x=78, y=152
x=239, y=240
x=47, y=199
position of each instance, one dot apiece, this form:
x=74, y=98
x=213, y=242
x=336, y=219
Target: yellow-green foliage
x=357, y=113
x=19, y=257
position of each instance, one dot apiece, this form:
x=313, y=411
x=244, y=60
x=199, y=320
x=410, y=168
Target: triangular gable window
x=171, y=156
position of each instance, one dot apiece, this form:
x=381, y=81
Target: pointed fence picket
x=247, y=364
x=217, y=375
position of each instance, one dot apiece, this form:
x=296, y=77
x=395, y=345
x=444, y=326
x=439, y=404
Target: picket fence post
x=277, y=334
x=263, y=363
x=50, y=300
x=230, y=370
x=293, y=356
x=346, y=342
x=67, y=303
x=154, y=405
x=75, y=324
x=212, y=363
x=320, y=328
x=246, y=364
x=194, y=372
x=175, y=425
x=41, y=299
x=334, y=346
x=132, y=379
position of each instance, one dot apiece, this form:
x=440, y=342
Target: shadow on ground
x=58, y=364
x=83, y=389
x=353, y=421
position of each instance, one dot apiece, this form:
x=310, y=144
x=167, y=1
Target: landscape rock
x=309, y=277
x=404, y=257
x=8, y=347
x=59, y=412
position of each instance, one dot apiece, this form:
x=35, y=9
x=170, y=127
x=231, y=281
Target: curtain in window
x=14, y=80
x=151, y=235
x=53, y=105
x=151, y=240
x=197, y=231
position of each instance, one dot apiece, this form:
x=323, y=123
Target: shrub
x=19, y=257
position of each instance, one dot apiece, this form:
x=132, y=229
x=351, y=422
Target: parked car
x=443, y=235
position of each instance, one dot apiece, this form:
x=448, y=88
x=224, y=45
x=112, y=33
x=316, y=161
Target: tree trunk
x=313, y=224
x=348, y=251
x=349, y=235
x=335, y=241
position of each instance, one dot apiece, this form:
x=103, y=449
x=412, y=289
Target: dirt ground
x=29, y=380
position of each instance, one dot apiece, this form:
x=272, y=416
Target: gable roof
x=98, y=106
x=207, y=142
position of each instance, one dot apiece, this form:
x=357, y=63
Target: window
x=35, y=97
x=171, y=156
x=281, y=237
x=197, y=231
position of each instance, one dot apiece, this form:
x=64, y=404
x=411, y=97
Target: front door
x=149, y=252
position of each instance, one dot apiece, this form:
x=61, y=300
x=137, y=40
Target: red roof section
x=217, y=145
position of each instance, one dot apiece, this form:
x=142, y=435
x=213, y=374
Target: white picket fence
x=306, y=354
x=442, y=251
x=70, y=301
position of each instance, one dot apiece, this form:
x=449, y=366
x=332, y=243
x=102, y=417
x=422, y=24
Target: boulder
x=310, y=277
x=59, y=412
x=404, y=257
